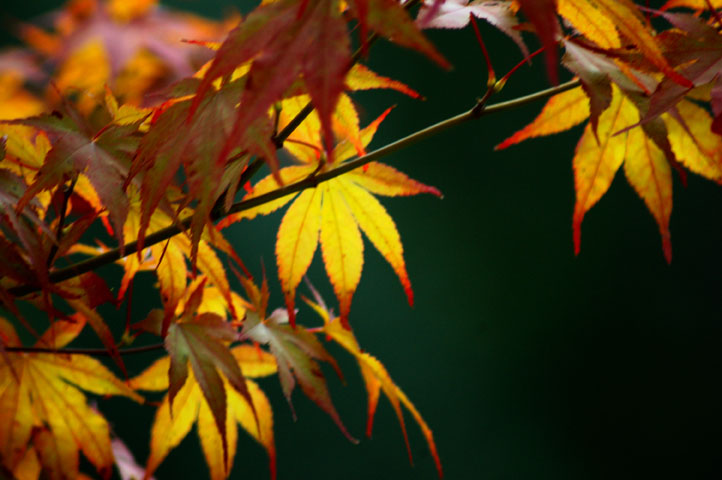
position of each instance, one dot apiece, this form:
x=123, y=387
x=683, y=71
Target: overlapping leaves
x=143, y=171
x=636, y=119
x=46, y=419
x=217, y=392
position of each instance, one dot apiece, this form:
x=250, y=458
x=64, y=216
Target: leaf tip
x=667, y=247
x=434, y=191
x=505, y=144
x=577, y=234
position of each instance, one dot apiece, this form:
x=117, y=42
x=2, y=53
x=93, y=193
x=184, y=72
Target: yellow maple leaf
x=694, y=143
x=560, y=113
x=648, y=172
x=42, y=406
x=190, y=406
x=586, y=17
x=335, y=213
x=646, y=165
x=597, y=161
x=376, y=378
x=168, y=260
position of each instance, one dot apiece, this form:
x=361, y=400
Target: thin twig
x=489, y=67
x=165, y=233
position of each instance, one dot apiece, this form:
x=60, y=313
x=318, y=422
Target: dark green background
x=525, y=361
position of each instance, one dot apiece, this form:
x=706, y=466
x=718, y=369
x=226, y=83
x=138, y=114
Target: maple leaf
x=697, y=47
x=389, y=19
x=695, y=145
x=314, y=42
x=200, y=339
x=168, y=262
x=173, y=421
x=168, y=145
x=590, y=21
x=560, y=113
x=335, y=212
x=296, y=351
x=198, y=342
x=43, y=407
x=596, y=162
x=294, y=348
x=305, y=141
x=375, y=375
x=629, y=21
x=104, y=157
x=455, y=14
x=13, y=189
x=361, y=77
x=24, y=254
x=646, y=156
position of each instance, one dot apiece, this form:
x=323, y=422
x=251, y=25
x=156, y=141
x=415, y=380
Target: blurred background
x=526, y=361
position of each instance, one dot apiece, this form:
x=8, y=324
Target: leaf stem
x=479, y=110
x=489, y=67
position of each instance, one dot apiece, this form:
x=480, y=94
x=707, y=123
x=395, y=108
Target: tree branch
x=479, y=110
x=93, y=352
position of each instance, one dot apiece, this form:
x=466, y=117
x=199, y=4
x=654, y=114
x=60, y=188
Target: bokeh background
x=526, y=361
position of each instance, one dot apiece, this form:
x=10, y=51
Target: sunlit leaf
x=40, y=392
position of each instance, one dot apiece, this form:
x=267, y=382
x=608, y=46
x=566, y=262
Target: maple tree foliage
x=155, y=125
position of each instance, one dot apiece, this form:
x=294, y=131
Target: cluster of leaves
x=155, y=139
x=647, y=97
